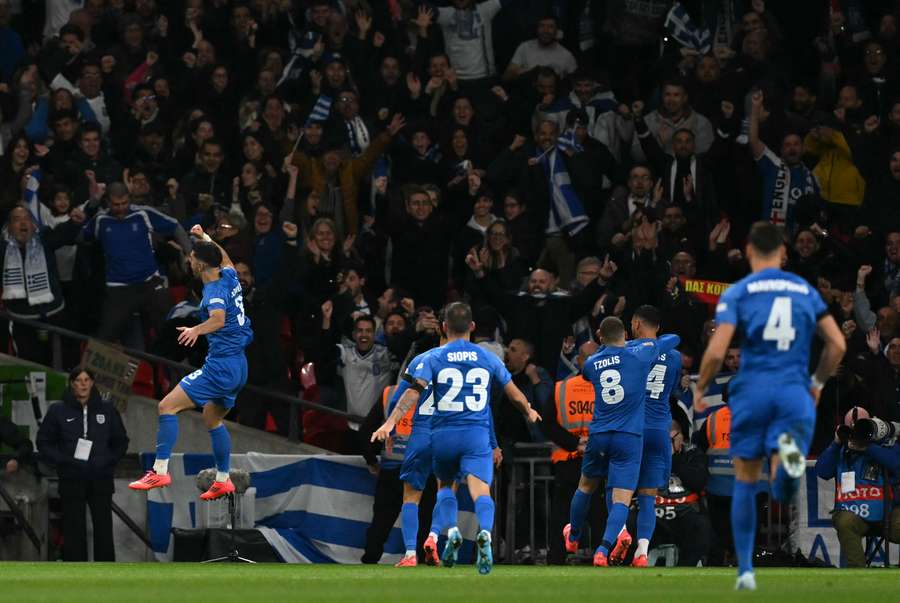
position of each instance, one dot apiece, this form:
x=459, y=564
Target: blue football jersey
x=425, y=405
x=462, y=375
x=662, y=379
x=619, y=377
x=776, y=314
x=225, y=294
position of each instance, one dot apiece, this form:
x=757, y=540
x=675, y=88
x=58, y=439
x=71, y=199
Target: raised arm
x=197, y=231
x=756, y=109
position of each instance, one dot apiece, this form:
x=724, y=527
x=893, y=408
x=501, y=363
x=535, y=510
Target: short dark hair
x=766, y=237
x=458, y=317
x=611, y=329
x=396, y=312
x=649, y=315
x=364, y=318
x=208, y=253
x=62, y=114
x=213, y=142
x=88, y=127
x=69, y=29
x=529, y=347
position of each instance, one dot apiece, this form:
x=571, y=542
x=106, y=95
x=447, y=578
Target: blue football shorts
x=614, y=455
x=218, y=381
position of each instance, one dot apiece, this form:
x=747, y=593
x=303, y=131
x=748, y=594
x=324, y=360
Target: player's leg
x=446, y=467
x=480, y=492
x=166, y=436
x=594, y=467
x=409, y=518
x=477, y=464
x=213, y=413
x=656, y=461
x=790, y=433
x=624, y=453
x=743, y=517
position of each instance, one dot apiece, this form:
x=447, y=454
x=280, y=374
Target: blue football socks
x=409, y=525
x=617, y=516
x=484, y=510
x=646, y=516
x=221, y=446
x=577, y=512
x=743, y=523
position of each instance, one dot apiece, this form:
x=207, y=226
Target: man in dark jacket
x=543, y=313
x=84, y=437
x=420, y=247
x=91, y=157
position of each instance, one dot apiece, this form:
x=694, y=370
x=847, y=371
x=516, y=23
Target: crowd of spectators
x=364, y=163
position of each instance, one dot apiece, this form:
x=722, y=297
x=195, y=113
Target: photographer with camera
x=864, y=461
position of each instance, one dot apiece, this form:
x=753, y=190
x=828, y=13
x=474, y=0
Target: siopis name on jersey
x=777, y=284
x=462, y=356
x=605, y=362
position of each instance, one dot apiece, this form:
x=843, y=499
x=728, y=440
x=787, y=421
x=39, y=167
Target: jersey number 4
x=656, y=381
x=478, y=378
x=779, y=326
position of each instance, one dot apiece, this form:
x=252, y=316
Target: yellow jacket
x=838, y=177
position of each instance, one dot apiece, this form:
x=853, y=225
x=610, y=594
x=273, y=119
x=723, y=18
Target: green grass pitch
x=162, y=583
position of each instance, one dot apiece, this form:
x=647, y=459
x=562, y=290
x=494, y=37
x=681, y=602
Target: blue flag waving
x=31, y=196
x=679, y=25
x=566, y=210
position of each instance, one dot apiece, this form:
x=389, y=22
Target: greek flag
x=321, y=110
x=566, y=211
x=679, y=25
x=567, y=142
x=31, y=196
x=713, y=398
x=311, y=509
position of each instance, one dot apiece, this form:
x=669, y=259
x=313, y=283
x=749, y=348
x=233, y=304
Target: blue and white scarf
x=358, y=135
x=30, y=280
x=566, y=210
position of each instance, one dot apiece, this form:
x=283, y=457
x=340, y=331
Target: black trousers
x=386, y=508
x=150, y=299
x=566, y=475
x=77, y=495
x=720, y=517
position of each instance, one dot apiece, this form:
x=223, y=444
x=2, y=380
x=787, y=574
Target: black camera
x=871, y=430
x=843, y=434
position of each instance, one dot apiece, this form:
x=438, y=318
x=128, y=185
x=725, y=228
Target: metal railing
x=58, y=333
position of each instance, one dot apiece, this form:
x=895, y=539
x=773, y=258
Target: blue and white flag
x=713, y=398
x=311, y=509
x=679, y=25
x=31, y=197
x=321, y=110
x=566, y=211
x=566, y=142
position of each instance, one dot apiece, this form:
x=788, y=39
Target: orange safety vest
x=395, y=447
x=574, y=410
x=718, y=455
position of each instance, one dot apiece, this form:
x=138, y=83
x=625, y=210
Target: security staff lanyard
x=83, y=448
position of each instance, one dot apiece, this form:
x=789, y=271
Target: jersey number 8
x=478, y=378
x=610, y=390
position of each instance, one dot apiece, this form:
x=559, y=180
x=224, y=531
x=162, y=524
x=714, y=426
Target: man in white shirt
x=467, y=36
x=543, y=51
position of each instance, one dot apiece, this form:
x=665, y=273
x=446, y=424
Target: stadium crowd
x=363, y=163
